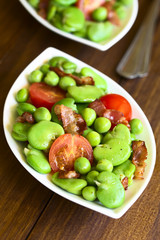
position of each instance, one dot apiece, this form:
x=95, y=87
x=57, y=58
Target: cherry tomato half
x=88, y=6
x=43, y=95
x=66, y=149
x=119, y=103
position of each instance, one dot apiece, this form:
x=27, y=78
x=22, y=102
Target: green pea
x=91, y=177
x=94, y=138
x=89, y=193
x=115, y=150
x=57, y=61
x=37, y=160
x=41, y=114
x=34, y=3
x=35, y=76
x=120, y=131
x=136, y=126
x=102, y=125
x=25, y=107
x=81, y=106
x=51, y=12
x=73, y=19
x=20, y=131
x=68, y=102
x=99, y=81
x=42, y=134
x=88, y=130
x=98, y=32
x=133, y=137
x=45, y=68
x=64, y=2
x=51, y=78
x=82, y=165
x=126, y=2
x=89, y=115
x=70, y=66
x=66, y=82
x=71, y=185
x=104, y=165
x=87, y=93
x=22, y=95
x=121, y=12
x=110, y=190
x=99, y=14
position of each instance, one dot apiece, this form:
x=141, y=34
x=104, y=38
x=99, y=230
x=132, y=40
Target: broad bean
x=37, y=160
x=20, y=131
x=42, y=134
x=115, y=150
x=85, y=93
x=71, y=185
x=110, y=190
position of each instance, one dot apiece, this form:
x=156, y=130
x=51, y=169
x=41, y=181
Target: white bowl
x=134, y=191
x=118, y=33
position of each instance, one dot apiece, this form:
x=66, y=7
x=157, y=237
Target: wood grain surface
x=28, y=210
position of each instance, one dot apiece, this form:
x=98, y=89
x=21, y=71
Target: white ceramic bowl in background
x=134, y=191
x=118, y=33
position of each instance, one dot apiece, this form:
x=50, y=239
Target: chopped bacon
x=116, y=117
x=42, y=8
x=25, y=117
x=138, y=158
x=72, y=122
x=112, y=15
x=80, y=81
x=124, y=182
x=98, y=107
x=68, y=174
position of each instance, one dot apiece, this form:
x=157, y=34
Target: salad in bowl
x=79, y=133
x=99, y=24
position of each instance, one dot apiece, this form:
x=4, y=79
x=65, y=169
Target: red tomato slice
x=43, y=95
x=66, y=149
x=88, y=6
x=119, y=103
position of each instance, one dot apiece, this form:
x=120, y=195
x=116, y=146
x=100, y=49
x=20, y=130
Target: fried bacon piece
x=112, y=15
x=72, y=122
x=124, y=182
x=116, y=117
x=80, y=81
x=98, y=107
x=138, y=158
x=68, y=174
x=25, y=117
x=42, y=8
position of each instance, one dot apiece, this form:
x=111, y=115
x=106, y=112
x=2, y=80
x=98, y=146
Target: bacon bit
x=112, y=15
x=72, y=122
x=98, y=107
x=116, y=117
x=25, y=117
x=80, y=81
x=68, y=174
x=42, y=8
x=124, y=182
x=139, y=157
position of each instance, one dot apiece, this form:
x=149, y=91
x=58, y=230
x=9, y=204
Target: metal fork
x=135, y=62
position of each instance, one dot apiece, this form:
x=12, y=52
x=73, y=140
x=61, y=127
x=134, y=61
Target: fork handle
x=135, y=62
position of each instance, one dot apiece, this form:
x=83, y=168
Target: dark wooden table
x=28, y=210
